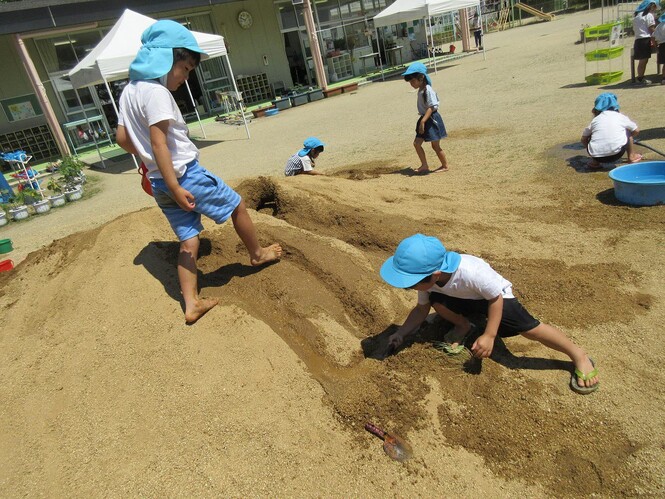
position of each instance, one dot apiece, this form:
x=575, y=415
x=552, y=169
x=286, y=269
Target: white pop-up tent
x=402, y=11
x=111, y=58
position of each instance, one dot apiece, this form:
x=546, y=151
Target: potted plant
x=314, y=94
x=298, y=96
x=33, y=197
x=3, y=215
x=17, y=207
x=58, y=197
x=282, y=103
x=71, y=171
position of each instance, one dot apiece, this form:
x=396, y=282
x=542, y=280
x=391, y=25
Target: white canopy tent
x=402, y=11
x=110, y=59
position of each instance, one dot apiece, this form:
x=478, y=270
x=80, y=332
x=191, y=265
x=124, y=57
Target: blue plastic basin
x=641, y=184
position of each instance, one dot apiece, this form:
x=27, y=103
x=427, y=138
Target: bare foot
x=441, y=168
x=585, y=366
x=423, y=169
x=269, y=254
x=199, y=309
x=594, y=165
x=635, y=158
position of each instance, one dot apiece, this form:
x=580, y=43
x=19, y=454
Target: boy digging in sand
x=610, y=134
x=151, y=126
x=459, y=285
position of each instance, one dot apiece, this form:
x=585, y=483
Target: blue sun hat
x=606, y=102
x=644, y=5
x=417, y=67
x=416, y=258
x=309, y=144
x=155, y=57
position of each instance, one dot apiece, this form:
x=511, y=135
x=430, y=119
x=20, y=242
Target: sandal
x=449, y=349
x=584, y=390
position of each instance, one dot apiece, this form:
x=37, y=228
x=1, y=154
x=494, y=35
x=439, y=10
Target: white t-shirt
x=474, y=279
x=431, y=97
x=659, y=33
x=641, y=25
x=608, y=133
x=144, y=103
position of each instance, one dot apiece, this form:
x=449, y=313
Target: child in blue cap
x=644, y=25
x=151, y=126
x=457, y=286
x=610, y=133
x=429, y=127
x=303, y=161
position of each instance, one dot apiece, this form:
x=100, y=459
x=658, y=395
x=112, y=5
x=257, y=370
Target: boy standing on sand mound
x=151, y=126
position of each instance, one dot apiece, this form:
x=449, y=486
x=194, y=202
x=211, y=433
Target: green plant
x=71, y=171
x=28, y=195
x=54, y=185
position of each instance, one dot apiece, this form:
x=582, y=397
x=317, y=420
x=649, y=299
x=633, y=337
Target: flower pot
x=299, y=99
x=282, y=104
x=452, y=48
x=315, y=95
x=57, y=200
x=41, y=206
x=74, y=194
x=332, y=91
x=3, y=218
x=19, y=213
x=6, y=246
x=259, y=113
x=351, y=87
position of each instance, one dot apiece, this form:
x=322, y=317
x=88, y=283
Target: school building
x=267, y=43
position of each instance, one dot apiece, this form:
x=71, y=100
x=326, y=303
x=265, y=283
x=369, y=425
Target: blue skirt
x=434, y=128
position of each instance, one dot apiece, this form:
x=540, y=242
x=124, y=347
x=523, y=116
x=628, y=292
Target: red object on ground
x=6, y=265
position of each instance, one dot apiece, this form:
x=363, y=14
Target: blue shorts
x=212, y=197
x=434, y=128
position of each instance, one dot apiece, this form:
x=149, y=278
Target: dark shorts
x=612, y=158
x=642, y=49
x=661, y=53
x=515, y=319
x=434, y=128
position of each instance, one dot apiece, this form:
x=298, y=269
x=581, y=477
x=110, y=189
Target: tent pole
x=196, y=111
x=431, y=34
x=378, y=47
x=85, y=116
x=117, y=114
x=240, y=101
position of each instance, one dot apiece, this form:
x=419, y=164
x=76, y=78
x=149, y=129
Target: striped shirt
x=298, y=164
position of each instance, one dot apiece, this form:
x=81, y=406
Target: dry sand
x=105, y=391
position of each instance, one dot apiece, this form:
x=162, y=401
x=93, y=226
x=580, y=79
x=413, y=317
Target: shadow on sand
x=160, y=259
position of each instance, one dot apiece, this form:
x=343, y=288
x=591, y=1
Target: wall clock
x=245, y=19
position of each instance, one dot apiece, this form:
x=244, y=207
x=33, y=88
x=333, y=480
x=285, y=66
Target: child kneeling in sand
x=150, y=126
x=302, y=162
x=610, y=134
x=460, y=285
